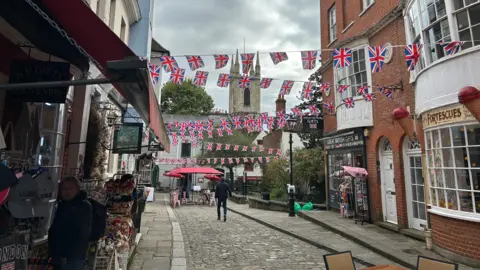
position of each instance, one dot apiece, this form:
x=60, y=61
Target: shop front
x=452, y=138
x=344, y=149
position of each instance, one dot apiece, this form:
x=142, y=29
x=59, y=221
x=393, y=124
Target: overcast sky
x=206, y=27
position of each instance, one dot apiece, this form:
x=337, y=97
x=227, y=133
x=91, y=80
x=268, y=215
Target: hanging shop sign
x=14, y=252
x=350, y=140
x=153, y=145
x=32, y=71
x=128, y=139
x=456, y=113
x=312, y=124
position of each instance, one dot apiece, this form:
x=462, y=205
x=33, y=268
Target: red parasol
x=212, y=177
x=200, y=170
x=176, y=175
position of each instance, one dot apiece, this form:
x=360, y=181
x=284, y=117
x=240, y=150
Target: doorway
x=414, y=184
x=389, y=198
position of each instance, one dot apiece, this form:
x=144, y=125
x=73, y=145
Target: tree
x=312, y=139
x=186, y=99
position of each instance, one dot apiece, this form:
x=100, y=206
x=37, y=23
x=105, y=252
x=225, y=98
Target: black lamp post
x=291, y=123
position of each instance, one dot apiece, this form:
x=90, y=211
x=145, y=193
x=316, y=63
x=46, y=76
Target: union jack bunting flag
x=313, y=109
x=244, y=148
x=224, y=80
x=278, y=57
x=325, y=88
x=281, y=115
x=341, y=88
x=309, y=59
x=270, y=151
x=220, y=132
x=221, y=60
x=200, y=135
x=230, y=160
x=342, y=57
x=200, y=78
x=244, y=82
x=195, y=62
x=362, y=90
x=235, y=147
x=329, y=107
x=168, y=63
x=154, y=73
x=222, y=160
x=199, y=125
x=453, y=47
x=237, y=124
x=297, y=111
x=252, y=160
x=377, y=57
x=265, y=83
x=260, y=159
x=254, y=148
x=388, y=93
x=369, y=97
x=8, y=266
x=264, y=117
x=279, y=152
x=412, y=54
x=177, y=76
x=229, y=132
x=267, y=159
x=286, y=87
x=349, y=103
x=227, y=146
x=260, y=148
x=210, y=134
x=245, y=159
x=237, y=160
x=247, y=62
x=219, y=147
x=223, y=124
x=307, y=91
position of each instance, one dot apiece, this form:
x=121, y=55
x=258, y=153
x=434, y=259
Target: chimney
x=281, y=103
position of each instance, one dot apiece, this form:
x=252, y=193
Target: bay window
x=355, y=75
x=467, y=15
x=453, y=164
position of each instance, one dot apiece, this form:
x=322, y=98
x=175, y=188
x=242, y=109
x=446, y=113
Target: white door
x=414, y=184
x=389, y=197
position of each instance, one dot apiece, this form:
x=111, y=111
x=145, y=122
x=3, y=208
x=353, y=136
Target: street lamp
x=111, y=118
x=117, y=125
x=291, y=124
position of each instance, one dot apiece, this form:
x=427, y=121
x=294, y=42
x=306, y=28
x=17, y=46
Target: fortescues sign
x=446, y=115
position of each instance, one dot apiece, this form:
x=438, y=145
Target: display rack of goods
x=105, y=257
x=120, y=196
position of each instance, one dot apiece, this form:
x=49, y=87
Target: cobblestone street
x=241, y=243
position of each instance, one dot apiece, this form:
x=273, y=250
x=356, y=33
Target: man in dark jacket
x=69, y=234
x=221, y=194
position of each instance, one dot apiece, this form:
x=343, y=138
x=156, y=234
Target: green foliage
x=186, y=99
x=275, y=178
x=98, y=136
x=311, y=139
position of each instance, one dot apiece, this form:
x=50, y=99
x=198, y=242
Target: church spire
x=237, y=64
x=232, y=66
x=258, y=70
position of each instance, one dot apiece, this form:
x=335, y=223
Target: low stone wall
x=276, y=205
x=238, y=199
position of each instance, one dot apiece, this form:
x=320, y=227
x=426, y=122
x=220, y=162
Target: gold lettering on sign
x=446, y=115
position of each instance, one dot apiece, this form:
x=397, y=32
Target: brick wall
x=457, y=236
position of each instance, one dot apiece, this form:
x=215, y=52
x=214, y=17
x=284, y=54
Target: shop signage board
x=456, y=113
x=13, y=252
x=31, y=71
x=153, y=145
x=128, y=140
x=312, y=124
x=350, y=140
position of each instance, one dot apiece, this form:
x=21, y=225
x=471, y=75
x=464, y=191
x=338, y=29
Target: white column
x=452, y=22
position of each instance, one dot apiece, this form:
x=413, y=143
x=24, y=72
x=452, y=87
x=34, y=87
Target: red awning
x=103, y=45
x=199, y=170
x=176, y=175
x=212, y=177
x=250, y=178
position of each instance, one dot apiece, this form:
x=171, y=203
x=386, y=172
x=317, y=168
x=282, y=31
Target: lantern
x=469, y=96
x=402, y=116
x=111, y=119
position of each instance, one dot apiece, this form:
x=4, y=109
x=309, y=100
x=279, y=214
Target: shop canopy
x=212, y=177
x=115, y=59
x=176, y=175
x=199, y=170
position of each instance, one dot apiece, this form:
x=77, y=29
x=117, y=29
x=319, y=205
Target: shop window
x=355, y=75
x=367, y=3
x=453, y=162
x=332, y=24
x=186, y=150
x=248, y=167
x=468, y=22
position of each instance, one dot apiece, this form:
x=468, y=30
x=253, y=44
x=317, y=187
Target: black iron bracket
x=395, y=87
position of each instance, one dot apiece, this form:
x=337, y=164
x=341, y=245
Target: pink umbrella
x=200, y=170
x=355, y=171
x=212, y=177
x=176, y=175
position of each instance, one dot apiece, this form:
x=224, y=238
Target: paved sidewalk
x=395, y=246
x=310, y=233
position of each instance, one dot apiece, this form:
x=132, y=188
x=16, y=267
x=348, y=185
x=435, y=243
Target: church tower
x=244, y=100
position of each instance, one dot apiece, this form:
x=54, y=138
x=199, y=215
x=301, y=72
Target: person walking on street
x=68, y=237
x=222, y=191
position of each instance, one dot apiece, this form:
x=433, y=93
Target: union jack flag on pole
x=247, y=62
x=177, y=76
x=221, y=60
x=342, y=57
x=309, y=59
x=265, y=83
x=224, y=80
x=349, y=103
x=154, y=73
x=278, y=57
x=195, y=62
x=286, y=87
x=200, y=78
x=168, y=63
x=377, y=57
x=412, y=55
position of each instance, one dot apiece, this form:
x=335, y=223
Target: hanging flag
x=362, y=90
x=369, y=97
x=223, y=123
x=314, y=110
x=224, y=80
x=307, y=91
x=349, y=103
x=412, y=55
x=377, y=57
x=252, y=160
x=245, y=148
x=222, y=160
x=297, y=111
x=221, y=60
x=260, y=159
x=342, y=57
x=215, y=161
x=265, y=83
x=325, y=88
x=309, y=59
x=227, y=146
x=247, y=62
x=220, y=132
x=286, y=87
x=341, y=88
x=245, y=159
x=270, y=151
x=219, y=147
x=200, y=135
x=229, y=131
x=244, y=82
x=237, y=124
x=388, y=93
x=154, y=73
x=235, y=147
x=264, y=117
x=267, y=159
x=278, y=57
x=279, y=152
x=261, y=148
x=200, y=78
x=329, y=107
x=199, y=125
x=195, y=62
x=194, y=143
x=230, y=160
x=168, y=63
x=237, y=160
x=453, y=47
x=177, y=76
x=210, y=134
x=254, y=148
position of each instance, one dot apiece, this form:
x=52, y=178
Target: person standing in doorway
x=69, y=235
x=222, y=191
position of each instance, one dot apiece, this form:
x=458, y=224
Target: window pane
x=463, y=179
x=429, y=141
x=452, y=199
x=419, y=176
x=421, y=211
x=439, y=178
x=435, y=139
x=420, y=194
x=473, y=134
x=458, y=134
x=415, y=209
x=430, y=158
x=462, y=20
x=433, y=197
x=437, y=162
x=440, y=5
x=457, y=4
x=476, y=180
x=467, y=37
x=441, y=198
x=474, y=157
x=474, y=15
x=449, y=178
x=432, y=16
x=477, y=201
x=445, y=137
x=465, y=201
x=476, y=34
x=447, y=158
x=414, y=193
x=433, y=182
x=460, y=157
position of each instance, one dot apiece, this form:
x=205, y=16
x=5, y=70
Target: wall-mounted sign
x=446, y=115
x=312, y=124
x=31, y=71
x=128, y=140
x=350, y=140
x=153, y=145
x=13, y=252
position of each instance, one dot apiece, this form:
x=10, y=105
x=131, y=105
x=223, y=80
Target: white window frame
x=352, y=90
x=466, y=8
x=435, y=190
x=367, y=4
x=332, y=24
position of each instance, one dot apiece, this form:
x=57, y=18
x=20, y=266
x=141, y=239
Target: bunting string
x=222, y=161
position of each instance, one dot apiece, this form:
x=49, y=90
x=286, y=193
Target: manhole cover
x=411, y=251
